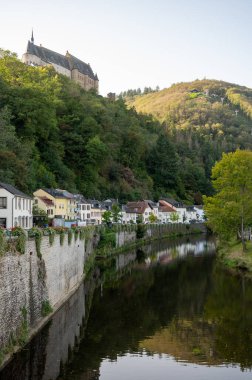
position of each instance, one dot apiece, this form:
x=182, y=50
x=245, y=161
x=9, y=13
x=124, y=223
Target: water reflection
x=164, y=310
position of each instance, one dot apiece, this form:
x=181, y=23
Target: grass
x=233, y=257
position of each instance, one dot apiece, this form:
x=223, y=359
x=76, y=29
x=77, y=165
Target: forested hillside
x=55, y=134
x=203, y=119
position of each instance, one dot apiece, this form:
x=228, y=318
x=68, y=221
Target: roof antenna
x=32, y=38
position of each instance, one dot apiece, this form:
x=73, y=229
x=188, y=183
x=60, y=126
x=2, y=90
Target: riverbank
x=237, y=261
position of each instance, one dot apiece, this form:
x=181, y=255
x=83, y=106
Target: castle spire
x=32, y=38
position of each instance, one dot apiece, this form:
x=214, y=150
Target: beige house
x=68, y=65
x=64, y=202
x=45, y=204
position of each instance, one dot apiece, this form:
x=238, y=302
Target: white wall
x=7, y=212
x=18, y=211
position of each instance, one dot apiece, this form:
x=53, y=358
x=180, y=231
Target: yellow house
x=64, y=202
x=45, y=204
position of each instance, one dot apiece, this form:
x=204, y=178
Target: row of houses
x=65, y=208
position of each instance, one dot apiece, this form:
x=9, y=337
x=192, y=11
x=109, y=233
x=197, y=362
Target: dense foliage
x=202, y=119
x=229, y=210
x=55, y=134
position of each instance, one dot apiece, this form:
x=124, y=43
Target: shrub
x=21, y=239
x=37, y=234
x=46, y=308
x=3, y=244
x=49, y=231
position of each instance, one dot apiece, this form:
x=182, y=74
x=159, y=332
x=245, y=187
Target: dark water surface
x=167, y=311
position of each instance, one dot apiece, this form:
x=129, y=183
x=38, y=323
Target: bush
x=46, y=308
x=49, y=231
x=37, y=234
x=141, y=230
x=21, y=239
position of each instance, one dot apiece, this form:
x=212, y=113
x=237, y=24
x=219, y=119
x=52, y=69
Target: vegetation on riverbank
x=232, y=256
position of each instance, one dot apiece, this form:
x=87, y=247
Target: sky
x=138, y=43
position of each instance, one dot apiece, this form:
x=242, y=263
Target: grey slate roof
x=58, y=193
x=81, y=66
x=13, y=190
x=67, y=61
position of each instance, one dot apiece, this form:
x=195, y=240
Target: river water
x=165, y=311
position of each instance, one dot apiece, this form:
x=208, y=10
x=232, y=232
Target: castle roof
x=67, y=61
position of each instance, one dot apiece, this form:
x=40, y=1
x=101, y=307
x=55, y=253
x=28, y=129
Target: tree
x=106, y=217
x=152, y=218
x=229, y=211
x=116, y=213
x=174, y=217
x=163, y=164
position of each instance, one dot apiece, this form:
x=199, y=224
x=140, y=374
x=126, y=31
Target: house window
x=3, y=222
x=3, y=202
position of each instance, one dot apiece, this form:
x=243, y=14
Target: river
x=165, y=311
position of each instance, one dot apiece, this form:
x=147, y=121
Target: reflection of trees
x=222, y=333
x=140, y=305
x=229, y=306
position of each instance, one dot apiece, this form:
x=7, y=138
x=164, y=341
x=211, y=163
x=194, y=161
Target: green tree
x=163, y=164
x=116, y=213
x=229, y=211
x=152, y=218
x=174, y=217
x=107, y=217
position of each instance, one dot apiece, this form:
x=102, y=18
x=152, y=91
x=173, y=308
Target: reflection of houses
x=15, y=207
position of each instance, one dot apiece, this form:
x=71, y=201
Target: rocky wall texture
x=27, y=282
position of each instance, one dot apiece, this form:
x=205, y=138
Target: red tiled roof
x=136, y=207
x=166, y=206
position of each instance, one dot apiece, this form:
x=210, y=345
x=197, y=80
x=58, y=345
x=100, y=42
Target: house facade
x=15, y=208
x=134, y=210
x=68, y=65
x=165, y=212
x=45, y=204
x=64, y=202
x=83, y=210
x=96, y=212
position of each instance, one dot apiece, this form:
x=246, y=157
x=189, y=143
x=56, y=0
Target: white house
x=15, y=207
x=134, y=210
x=83, y=210
x=165, y=212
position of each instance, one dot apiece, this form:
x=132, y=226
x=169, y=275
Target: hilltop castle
x=68, y=65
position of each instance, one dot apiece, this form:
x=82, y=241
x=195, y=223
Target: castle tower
x=32, y=38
